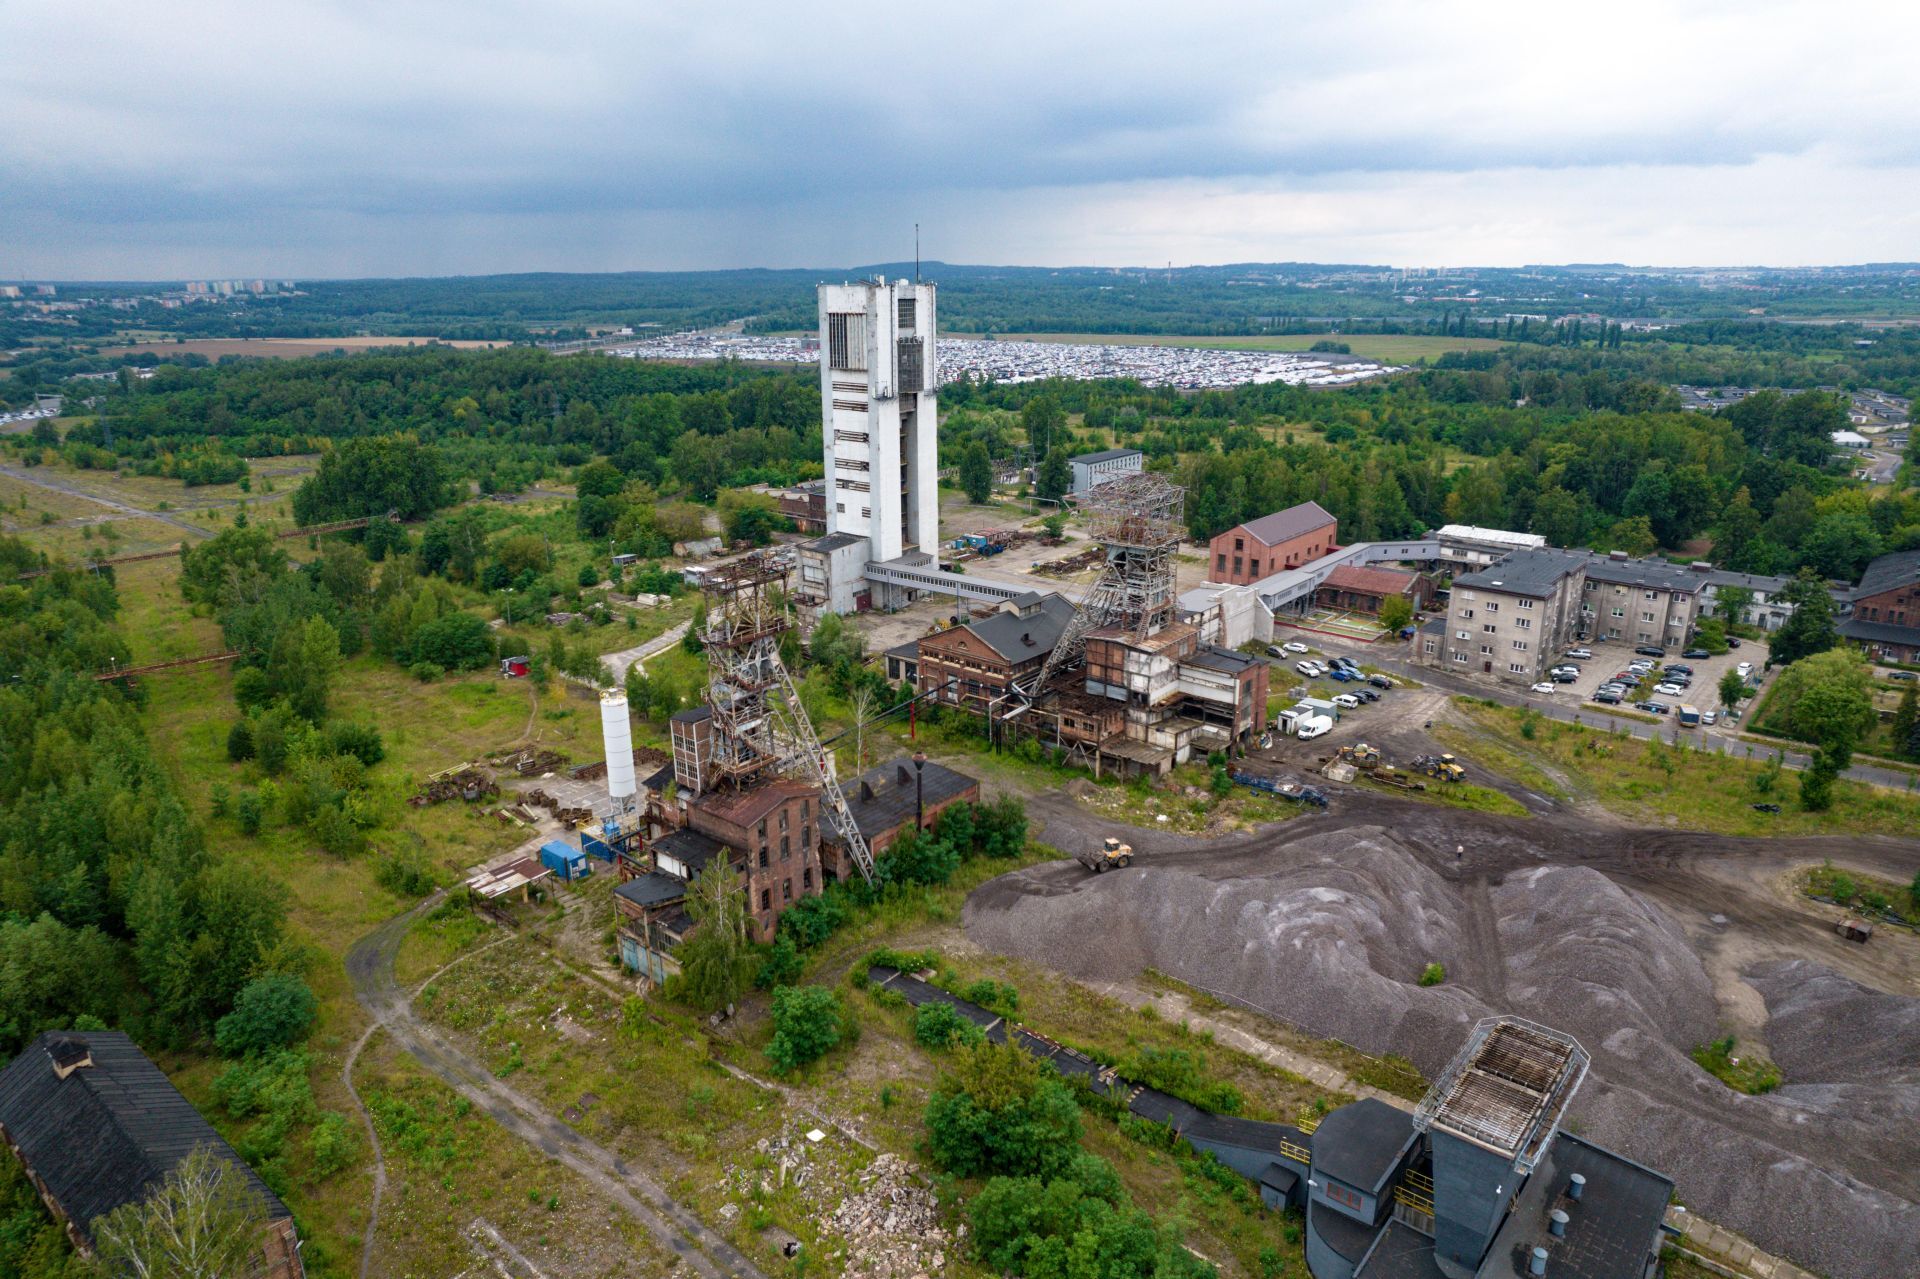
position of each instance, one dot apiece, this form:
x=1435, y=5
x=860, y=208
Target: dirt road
x=370, y=967
x=126, y=508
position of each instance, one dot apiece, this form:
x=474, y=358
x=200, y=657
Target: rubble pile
x=469, y=784
x=891, y=1225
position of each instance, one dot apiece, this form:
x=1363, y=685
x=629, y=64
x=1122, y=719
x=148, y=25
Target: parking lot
x=1611, y=658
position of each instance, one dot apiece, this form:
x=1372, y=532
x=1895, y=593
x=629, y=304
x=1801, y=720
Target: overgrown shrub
x=271, y=1012
x=807, y=1023
x=938, y=1025
x=362, y=741
x=999, y=1111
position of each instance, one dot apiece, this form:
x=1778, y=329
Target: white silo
x=617, y=734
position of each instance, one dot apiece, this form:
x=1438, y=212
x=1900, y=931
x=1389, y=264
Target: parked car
x=1580, y=654
x=1311, y=727
x=1564, y=677
x=1366, y=694
x=1629, y=678
x=1545, y=686
x=1658, y=708
x=1566, y=668
x=1745, y=669
x=1642, y=665
x=1696, y=653
x=1607, y=697
x=1346, y=663
x=1651, y=650
x=1733, y=642
x=1347, y=701
x=1342, y=674
x=1274, y=650
x=1668, y=690
x=1379, y=681
x=1309, y=669
x=1679, y=668
x=1900, y=675
x=1294, y=646
x=1709, y=717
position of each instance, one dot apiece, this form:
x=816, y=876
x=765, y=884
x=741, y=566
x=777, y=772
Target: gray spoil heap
x=1331, y=932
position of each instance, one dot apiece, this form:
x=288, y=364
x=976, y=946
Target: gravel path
x=370, y=967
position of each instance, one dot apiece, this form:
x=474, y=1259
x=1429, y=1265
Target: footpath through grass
x=1662, y=784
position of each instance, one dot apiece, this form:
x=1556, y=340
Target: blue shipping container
x=564, y=860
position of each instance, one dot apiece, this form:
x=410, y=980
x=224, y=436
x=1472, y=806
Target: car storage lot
x=1610, y=659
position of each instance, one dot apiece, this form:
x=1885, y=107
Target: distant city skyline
x=332, y=139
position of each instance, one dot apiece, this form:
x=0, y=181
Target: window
x=855, y=486
x=761, y=830
x=1220, y=562
x=1341, y=1195
x=1523, y=623
x=840, y=507
x=904, y=313
x=1516, y=668
x=1253, y=566
x=806, y=839
x=847, y=339
x=805, y=809
x=806, y=878
x=786, y=890
x=1646, y=617
x=1619, y=612
x=1459, y=657
x=763, y=856
x=1467, y=613
x=1236, y=566
x=1239, y=544
x=1460, y=635
x=1525, y=603
x=1520, y=646
x=786, y=850
x=1489, y=628
x=766, y=899
x=1486, y=650
x=1493, y=606
x=783, y=819
x=1466, y=595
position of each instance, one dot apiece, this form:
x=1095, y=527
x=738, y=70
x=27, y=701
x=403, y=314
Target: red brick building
x=1364, y=590
x=773, y=831
x=1260, y=548
x=1886, y=608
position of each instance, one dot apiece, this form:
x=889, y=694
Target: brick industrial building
x=1885, y=617
x=1260, y=548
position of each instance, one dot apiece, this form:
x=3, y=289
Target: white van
x=1312, y=726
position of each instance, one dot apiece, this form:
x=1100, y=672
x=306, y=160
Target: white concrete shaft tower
x=880, y=411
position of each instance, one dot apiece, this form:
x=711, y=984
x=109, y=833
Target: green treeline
x=112, y=910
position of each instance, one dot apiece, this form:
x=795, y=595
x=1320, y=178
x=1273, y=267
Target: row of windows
x=786, y=890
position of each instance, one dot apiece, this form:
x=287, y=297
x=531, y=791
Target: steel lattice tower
x=1138, y=519
x=760, y=727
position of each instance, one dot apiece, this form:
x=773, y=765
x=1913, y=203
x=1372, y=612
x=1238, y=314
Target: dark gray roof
x=1404, y=1253
x=1342, y=1233
x=657, y=780
x=1018, y=638
x=834, y=542
x=1361, y=1142
x=1106, y=455
x=882, y=799
x=1889, y=572
x=1856, y=628
x=1757, y=582
x=108, y=1133
x=909, y=649
x=690, y=847
x=1533, y=572
x=1214, y=658
x=1434, y=626
x=652, y=889
x=694, y=715
x=1290, y=523
x=1027, y=599
x=1653, y=575
x=1611, y=1230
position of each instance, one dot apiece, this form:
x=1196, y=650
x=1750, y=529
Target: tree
x=716, y=960
x=1826, y=698
x=1731, y=603
x=1055, y=476
x=453, y=642
x=1732, y=689
x=807, y=1024
x=937, y=1025
x=998, y=1110
x=374, y=475
x=273, y=1011
x=302, y=666
x=1041, y=417
x=1395, y=612
x=1811, y=629
x=976, y=472
x=1906, y=722
x=205, y=1220
x=236, y=563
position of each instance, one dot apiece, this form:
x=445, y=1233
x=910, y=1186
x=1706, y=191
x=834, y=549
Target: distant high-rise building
x=880, y=411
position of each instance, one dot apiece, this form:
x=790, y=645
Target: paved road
x=370, y=967
x=1395, y=660
x=74, y=490
x=619, y=662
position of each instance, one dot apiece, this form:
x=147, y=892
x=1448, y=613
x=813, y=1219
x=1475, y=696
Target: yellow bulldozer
x=1444, y=767
x=1111, y=853
x=1360, y=755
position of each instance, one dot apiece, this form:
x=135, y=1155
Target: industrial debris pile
x=470, y=784
x=891, y=1225
x=1331, y=930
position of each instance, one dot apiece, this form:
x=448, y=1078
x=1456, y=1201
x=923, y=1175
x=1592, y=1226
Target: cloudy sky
x=422, y=137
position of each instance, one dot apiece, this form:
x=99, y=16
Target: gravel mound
x=1332, y=931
